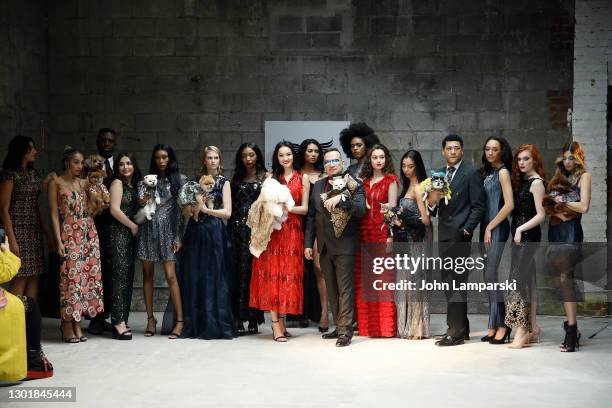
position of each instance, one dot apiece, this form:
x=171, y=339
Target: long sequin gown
x=377, y=318
x=494, y=202
x=277, y=279
x=523, y=267
x=244, y=193
x=23, y=210
x=122, y=250
x=81, y=291
x=205, y=269
x=413, y=306
x=155, y=237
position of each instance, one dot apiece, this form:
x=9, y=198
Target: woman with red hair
x=528, y=185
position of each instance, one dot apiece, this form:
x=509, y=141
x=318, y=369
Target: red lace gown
x=277, y=275
x=375, y=319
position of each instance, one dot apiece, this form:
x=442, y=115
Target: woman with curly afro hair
x=356, y=140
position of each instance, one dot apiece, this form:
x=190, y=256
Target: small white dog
x=278, y=200
x=147, y=187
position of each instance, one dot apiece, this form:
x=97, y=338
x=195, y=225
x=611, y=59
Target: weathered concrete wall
x=193, y=72
x=23, y=73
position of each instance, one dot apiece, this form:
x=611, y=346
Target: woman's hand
x=176, y=246
x=517, y=236
x=61, y=251
x=13, y=246
x=5, y=245
x=487, y=238
x=134, y=229
x=143, y=201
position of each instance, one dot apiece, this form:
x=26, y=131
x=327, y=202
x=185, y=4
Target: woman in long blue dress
x=495, y=228
x=205, y=265
x=565, y=232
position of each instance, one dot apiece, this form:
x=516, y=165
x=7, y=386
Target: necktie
x=108, y=168
x=449, y=173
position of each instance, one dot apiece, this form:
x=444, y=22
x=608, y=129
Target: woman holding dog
x=377, y=318
x=122, y=232
x=565, y=231
x=277, y=280
x=205, y=263
x=160, y=238
x=77, y=242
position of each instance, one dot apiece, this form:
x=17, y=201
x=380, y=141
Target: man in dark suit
x=105, y=142
x=456, y=225
x=337, y=254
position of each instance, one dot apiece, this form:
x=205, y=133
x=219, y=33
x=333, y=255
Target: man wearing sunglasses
x=337, y=253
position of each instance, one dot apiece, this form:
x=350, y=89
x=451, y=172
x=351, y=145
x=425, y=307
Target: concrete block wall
x=592, y=58
x=23, y=74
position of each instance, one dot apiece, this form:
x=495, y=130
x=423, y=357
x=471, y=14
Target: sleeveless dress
x=23, y=210
x=375, y=319
x=81, y=290
x=523, y=266
x=277, y=279
x=244, y=193
x=122, y=251
x=205, y=270
x=155, y=237
x=413, y=306
x=564, y=255
x=494, y=202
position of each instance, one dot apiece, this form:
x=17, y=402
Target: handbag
x=517, y=311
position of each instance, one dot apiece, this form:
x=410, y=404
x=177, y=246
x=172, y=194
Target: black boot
x=571, y=342
x=38, y=365
x=562, y=345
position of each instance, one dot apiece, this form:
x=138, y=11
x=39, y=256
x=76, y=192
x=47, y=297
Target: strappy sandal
x=70, y=340
x=280, y=339
x=174, y=335
x=150, y=333
x=286, y=333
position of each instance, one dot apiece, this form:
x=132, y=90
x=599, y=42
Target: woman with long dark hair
x=412, y=225
x=528, y=180
x=310, y=162
x=249, y=174
x=20, y=187
x=356, y=140
x=206, y=264
x=160, y=238
x=495, y=228
x=277, y=279
x=565, y=231
x=376, y=318
x=122, y=233
x=81, y=291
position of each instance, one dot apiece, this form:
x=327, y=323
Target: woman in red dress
x=378, y=318
x=277, y=276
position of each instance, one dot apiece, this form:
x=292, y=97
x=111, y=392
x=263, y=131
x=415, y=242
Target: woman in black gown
x=528, y=184
x=565, y=231
x=249, y=174
x=206, y=264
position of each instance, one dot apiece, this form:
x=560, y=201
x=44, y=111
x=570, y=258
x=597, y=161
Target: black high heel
x=280, y=339
x=69, y=340
x=240, y=328
x=487, y=338
x=150, y=333
x=505, y=339
x=82, y=338
x=572, y=339
x=286, y=333
x=126, y=335
x=323, y=329
x=252, y=328
x=174, y=335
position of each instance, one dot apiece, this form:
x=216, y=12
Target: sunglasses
x=332, y=162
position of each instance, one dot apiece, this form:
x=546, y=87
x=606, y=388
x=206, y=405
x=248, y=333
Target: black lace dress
x=244, y=193
x=523, y=267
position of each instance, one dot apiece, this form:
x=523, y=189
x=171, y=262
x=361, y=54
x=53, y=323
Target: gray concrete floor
x=307, y=371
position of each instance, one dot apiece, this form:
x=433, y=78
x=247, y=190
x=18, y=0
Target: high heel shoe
x=520, y=341
x=280, y=339
x=70, y=340
x=505, y=339
x=126, y=335
x=286, y=333
x=82, y=338
x=252, y=327
x=174, y=335
x=487, y=338
x=572, y=339
x=150, y=333
x=323, y=329
x=534, y=336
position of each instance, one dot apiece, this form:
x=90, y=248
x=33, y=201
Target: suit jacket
x=465, y=208
x=319, y=225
